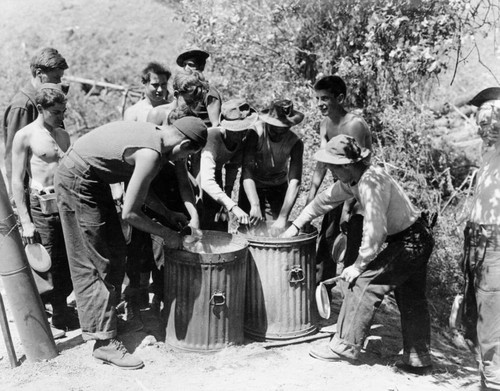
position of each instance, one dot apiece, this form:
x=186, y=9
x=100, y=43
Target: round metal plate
x=38, y=257
x=323, y=301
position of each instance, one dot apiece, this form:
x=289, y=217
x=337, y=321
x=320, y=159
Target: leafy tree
x=390, y=52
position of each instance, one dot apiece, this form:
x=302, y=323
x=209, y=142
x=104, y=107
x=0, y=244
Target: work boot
x=65, y=319
x=111, y=351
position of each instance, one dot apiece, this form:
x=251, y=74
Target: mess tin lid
x=38, y=257
x=323, y=301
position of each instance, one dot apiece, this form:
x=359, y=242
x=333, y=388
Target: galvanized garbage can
x=205, y=293
x=281, y=281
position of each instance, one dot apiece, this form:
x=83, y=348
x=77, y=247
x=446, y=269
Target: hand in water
x=195, y=235
x=290, y=232
x=278, y=227
x=255, y=215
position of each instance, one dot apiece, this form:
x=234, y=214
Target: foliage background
x=393, y=55
x=398, y=58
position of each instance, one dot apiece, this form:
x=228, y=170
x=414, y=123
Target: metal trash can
x=205, y=293
x=281, y=282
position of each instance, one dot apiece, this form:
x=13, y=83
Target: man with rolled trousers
x=120, y=151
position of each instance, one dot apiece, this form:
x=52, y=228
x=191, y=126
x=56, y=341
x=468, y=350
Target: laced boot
x=111, y=351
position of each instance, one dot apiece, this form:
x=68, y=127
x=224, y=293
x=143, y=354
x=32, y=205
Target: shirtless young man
x=154, y=78
x=47, y=66
x=38, y=147
x=481, y=262
x=331, y=94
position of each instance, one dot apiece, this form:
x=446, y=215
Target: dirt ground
x=251, y=366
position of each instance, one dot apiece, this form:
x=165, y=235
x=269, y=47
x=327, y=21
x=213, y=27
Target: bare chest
x=46, y=148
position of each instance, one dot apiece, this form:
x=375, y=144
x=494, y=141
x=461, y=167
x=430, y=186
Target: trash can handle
x=218, y=298
x=296, y=274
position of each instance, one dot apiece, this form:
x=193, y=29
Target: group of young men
x=164, y=166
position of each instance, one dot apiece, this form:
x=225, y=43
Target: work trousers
x=402, y=267
x=50, y=230
x=481, y=266
x=95, y=245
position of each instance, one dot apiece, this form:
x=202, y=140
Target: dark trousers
x=481, y=266
x=210, y=210
x=51, y=235
x=271, y=200
x=401, y=267
x=140, y=257
x=329, y=231
x=95, y=245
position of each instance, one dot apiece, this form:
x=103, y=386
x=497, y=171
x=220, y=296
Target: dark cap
x=492, y=93
x=197, y=54
x=340, y=150
x=193, y=128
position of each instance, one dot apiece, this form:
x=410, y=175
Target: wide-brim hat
x=342, y=149
x=237, y=115
x=198, y=54
x=492, y=93
x=281, y=114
